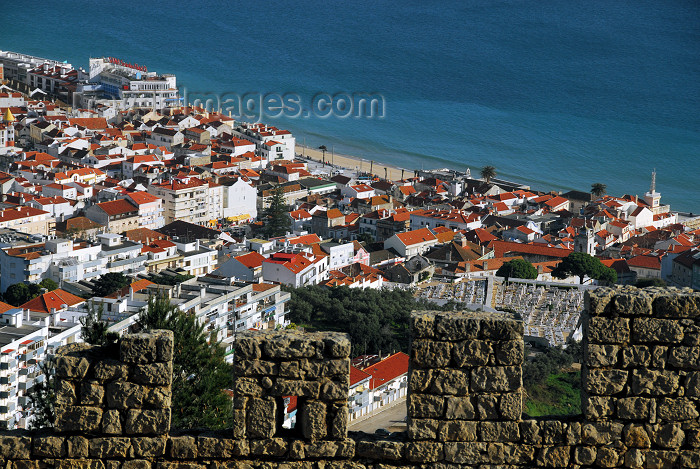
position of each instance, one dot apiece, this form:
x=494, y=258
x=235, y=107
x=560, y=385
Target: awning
x=235, y=218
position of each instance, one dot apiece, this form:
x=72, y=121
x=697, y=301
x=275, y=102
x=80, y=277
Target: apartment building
x=190, y=199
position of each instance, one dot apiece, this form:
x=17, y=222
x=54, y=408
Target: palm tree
x=324, y=149
x=488, y=173
x=598, y=189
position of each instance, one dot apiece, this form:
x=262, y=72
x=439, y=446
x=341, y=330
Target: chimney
x=131, y=294
x=202, y=291
x=26, y=314
x=486, y=266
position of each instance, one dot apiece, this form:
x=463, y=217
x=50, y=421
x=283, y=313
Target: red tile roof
x=388, y=369
x=117, y=207
x=422, y=235
x=53, y=299
x=251, y=260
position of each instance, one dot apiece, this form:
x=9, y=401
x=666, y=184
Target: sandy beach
x=393, y=173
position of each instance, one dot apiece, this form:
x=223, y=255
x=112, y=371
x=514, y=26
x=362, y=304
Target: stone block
x=261, y=418
x=147, y=421
x=419, y=380
x=601, y=433
x=458, y=408
x=424, y=451
x=313, y=420
x=293, y=346
x=238, y=422
x=510, y=406
x=487, y=406
x=456, y=326
x=662, y=459
x=336, y=368
x=585, y=455
x=108, y=448
x=183, y=447
x=426, y=406
x=603, y=330
x=153, y=374
x=423, y=429
x=659, y=356
x=634, y=408
x=530, y=432
x=423, y=325
x=685, y=358
x=332, y=391
x=91, y=393
x=597, y=407
x=669, y=436
x=76, y=447
x=148, y=447
x=633, y=303
x=466, y=452
x=636, y=436
x=654, y=382
x=635, y=356
x=79, y=464
x=247, y=387
x=337, y=345
x=138, y=348
x=286, y=387
x=471, y=353
x=430, y=354
x=499, y=432
x=692, y=384
x=111, y=422
x=381, y=450
x=110, y=369
x=509, y=352
x=71, y=366
x=65, y=393
x=609, y=457
x=321, y=449
x=553, y=432
x=601, y=355
x=676, y=410
x=78, y=419
x=689, y=458
x=48, y=447
x=457, y=430
x=598, y=300
x=287, y=369
x=125, y=395
x=158, y=397
x=452, y=382
x=136, y=464
x=339, y=422
x=165, y=345
x=656, y=330
x=496, y=378
x=276, y=447
x=554, y=456
x=499, y=326
x=247, y=347
x=15, y=447
x=634, y=457
x=671, y=304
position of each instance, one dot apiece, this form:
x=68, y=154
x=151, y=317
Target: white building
x=240, y=201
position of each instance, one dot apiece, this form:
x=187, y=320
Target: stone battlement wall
x=641, y=401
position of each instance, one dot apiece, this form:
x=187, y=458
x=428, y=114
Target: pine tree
x=200, y=371
x=94, y=328
x=276, y=220
x=43, y=398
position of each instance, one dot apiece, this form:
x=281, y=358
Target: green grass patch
x=558, y=394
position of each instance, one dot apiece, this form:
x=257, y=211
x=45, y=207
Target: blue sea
x=558, y=94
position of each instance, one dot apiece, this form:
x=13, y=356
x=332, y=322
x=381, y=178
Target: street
x=391, y=419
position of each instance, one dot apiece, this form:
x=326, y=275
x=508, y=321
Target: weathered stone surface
x=65, y=393
x=158, y=397
x=423, y=325
x=689, y=458
x=585, y=455
x=77, y=447
x=471, y=353
x=634, y=408
x=216, y=446
x=261, y=418
x=654, y=382
x=15, y=447
x=136, y=464
x=656, y=330
x=510, y=352
x=530, y=432
x=608, y=457
x=110, y=369
x=71, y=367
x=48, y=447
x=553, y=432
x=91, y=393
x=635, y=356
x=381, y=450
x=238, y=421
x=139, y=348
x=111, y=422
x=458, y=408
x=500, y=327
x=339, y=423
x=425, y=406
x=636, y=436
x=511, y=406
x=313, y=420
x=79, y=464
x=423, y=429
x=692, y=384
x=456, y=326
x=554, y=456
x=676, y=410
x=604, y=330
x=487, y=406
x=332, y=391
x=669, y=436
x=293, y=346
x=286, y=387
x=453, y=382
x=601, y=433
x=605, y=382
x=148, y=447
x=597, y=407
x=424, y=451
x=457, y=430
x=247, y=347
x=466, y=453
x=261, y=368
x=182, y=447
x=78, y=419
x=419, y=380
x=153, y=374
x=337, y=345
x=288, y=369
x=659, y=356
x=147, y=421
x=686, y=358
x=270, y=447
x=165, y=345
x=496, y=378
x=499, y=431
x=677, y=305
x=634, y=457
x=112, y=447
x=125, y=395
x=597, y=300
x=601, y=355
x=637, y=303
x=430, y=354
x=661, y=459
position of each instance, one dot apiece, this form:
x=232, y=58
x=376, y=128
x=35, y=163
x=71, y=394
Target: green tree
x=517, y=268
x=200, y=371
x=488, y=173
x=109, y=283
x=43, y=398
x=276, y=219
x=324, y=149
x=94, y=328
x=598, y=189
x=20, y=293
x=49, y=284
x=581, y=265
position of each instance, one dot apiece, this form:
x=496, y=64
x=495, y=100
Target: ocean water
x=558, y=94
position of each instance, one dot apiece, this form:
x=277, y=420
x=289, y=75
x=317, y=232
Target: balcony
x=123, y=262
